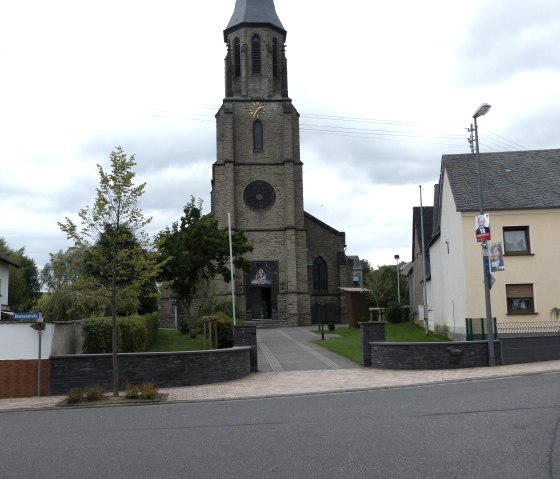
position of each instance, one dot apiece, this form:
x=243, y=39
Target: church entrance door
x=261, y=302
x=261, y=291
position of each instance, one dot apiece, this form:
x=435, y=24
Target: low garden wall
x=447, y=355
x=173, y=369
x=19, y=358
x=517, y=350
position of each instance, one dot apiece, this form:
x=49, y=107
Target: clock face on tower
x=259, y=195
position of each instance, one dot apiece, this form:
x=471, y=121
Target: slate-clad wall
x=246, y=335
x=370, y=332
x=164, y=369
x=448, y=355
x=530, y=349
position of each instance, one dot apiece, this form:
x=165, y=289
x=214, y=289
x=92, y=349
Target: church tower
x=257, y=176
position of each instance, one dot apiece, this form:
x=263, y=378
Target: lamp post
x=397, y=257
x=481, y=111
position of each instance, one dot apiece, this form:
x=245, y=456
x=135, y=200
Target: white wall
x=20, y=341
x=448, y=287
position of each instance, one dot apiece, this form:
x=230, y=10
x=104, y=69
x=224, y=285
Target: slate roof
x=254, y=12
x=5, y=259
x=510, y=180
x=428, y=226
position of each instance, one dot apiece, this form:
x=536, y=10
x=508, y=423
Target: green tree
x=195, y=251
x=24, y=288
x=123, y=268
x=383, y=285
x=61, y=277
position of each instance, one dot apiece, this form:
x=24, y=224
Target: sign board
x=28, y=316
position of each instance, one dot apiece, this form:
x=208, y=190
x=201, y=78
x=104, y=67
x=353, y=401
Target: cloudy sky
x=383, y=89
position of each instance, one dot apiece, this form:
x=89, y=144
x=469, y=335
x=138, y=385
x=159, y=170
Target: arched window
x=256, y=53
x=257, y=135
x=320, y=282
x=275, y=65
x=236, y=58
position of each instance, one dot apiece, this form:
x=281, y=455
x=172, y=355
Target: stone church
x=298, y=263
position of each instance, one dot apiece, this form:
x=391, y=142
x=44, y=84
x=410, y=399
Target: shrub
x=94, y=393
x=75, y=395
x=394, y=313
x=97, y=335
x=210, y=308
x=143, y=391
x=133, y=334
x=225, y=331
x=152, y=326
x=331, y=326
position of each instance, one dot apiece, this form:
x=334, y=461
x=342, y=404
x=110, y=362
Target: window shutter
x=519, y=290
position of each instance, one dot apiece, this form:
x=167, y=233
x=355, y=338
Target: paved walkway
x=286, y=378
x=293, y=349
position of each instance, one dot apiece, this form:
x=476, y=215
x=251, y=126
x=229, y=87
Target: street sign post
x=28, y=316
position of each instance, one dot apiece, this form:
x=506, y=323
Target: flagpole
x=231, y=268
x=424, y=289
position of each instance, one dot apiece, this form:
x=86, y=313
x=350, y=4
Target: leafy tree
x=366, y=266
x=123, y=267
x=63, y=269
x=24, y=288
x=138, y=301
x=61, y=277
x=195, y=250
x=383, y=285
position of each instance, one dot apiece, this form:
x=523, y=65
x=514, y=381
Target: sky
x=384, y=89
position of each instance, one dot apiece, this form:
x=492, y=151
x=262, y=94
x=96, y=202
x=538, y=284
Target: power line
x=495, y=144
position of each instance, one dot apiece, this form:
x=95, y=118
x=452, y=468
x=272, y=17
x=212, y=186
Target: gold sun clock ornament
x=257, y=109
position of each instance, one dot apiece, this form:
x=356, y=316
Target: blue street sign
x=28, y=316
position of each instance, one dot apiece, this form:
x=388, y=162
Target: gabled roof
x=324, y=225
x=256, y=13
x=427, y=213
x=511, y=180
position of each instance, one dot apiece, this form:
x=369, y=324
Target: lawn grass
x=348, y=344
x=410, y=333
x=171, y=340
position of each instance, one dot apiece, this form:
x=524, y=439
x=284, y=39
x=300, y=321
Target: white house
x=522, y=196
x=5, y=264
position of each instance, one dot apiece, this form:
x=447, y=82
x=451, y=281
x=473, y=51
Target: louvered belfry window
x=256, y=53
x=237, y=57
x=275, y=65
x=257, y=135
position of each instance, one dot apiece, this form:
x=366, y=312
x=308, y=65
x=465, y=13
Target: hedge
x=134, y=334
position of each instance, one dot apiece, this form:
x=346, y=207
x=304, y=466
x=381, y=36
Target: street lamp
x=397, y=257
x=481, y=111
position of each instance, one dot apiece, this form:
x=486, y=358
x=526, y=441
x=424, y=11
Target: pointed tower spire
x=256, y=13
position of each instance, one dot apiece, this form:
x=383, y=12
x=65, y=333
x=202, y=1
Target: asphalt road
x=507, y=428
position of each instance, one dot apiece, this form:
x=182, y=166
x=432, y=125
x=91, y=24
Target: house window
x=320, y=275
x=256, y=53
x=237, y=58
x=516, y=240
x=257, y=135
x=520, y=298
x=275, y=68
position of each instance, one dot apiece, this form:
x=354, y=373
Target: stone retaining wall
x=173, y=369
x=447, y=355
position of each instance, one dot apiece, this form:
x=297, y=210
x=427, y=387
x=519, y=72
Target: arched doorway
x=261, y=287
